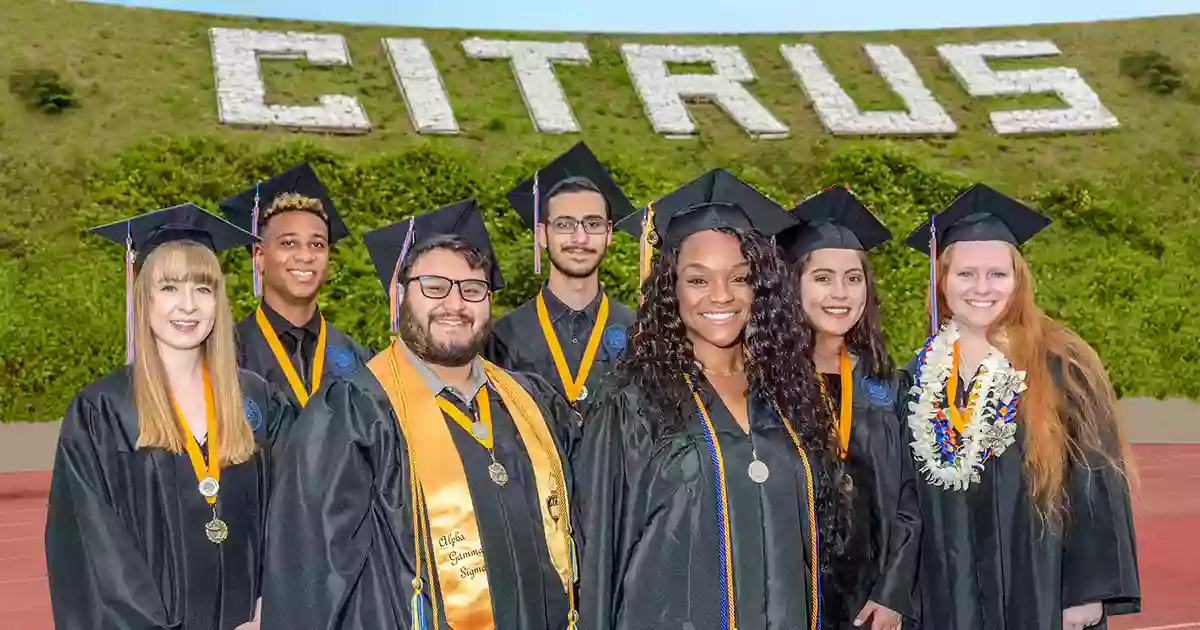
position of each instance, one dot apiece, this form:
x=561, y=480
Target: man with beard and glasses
x=571, y=333
x=430, y=490
x=286, y=339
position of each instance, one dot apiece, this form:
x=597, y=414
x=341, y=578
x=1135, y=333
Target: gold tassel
x=646, y=249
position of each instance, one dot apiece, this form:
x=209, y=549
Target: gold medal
x=216, y=530
x=498, y=473
x=758, y=471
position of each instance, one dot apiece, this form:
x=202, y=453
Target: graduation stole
x=846, y=417
x=573, y=386
x=285, y=363
x=442, y=510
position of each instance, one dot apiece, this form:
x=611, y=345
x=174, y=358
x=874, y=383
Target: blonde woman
x=160, y=480
x=1025, y=499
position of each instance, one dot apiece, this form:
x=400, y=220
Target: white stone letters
x=1086, y=112
x=533, y=65
x=421, y=86
x=241, y=94
x=663, y=93
x=840, y=115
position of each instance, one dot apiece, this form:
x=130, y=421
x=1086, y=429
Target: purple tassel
x=537, y=244
x=933, y=293
x=254, y=231
x=129, y=259
x=394, y=289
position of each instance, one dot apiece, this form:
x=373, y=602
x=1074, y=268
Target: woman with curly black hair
x=863, y=394
x=706, y=477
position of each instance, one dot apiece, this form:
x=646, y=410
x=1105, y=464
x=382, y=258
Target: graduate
x=571, y=333
x=1025, y=491
x=432, y=489
x=706, y=477
x=828, y=253
x=286, y=339
x=160, y=482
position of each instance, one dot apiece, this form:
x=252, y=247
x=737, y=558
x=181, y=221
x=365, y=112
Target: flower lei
x=952, y=460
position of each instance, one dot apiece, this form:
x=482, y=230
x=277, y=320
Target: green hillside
x=140, y=131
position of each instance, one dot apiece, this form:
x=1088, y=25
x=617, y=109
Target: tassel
x=933, y=287
x=537, y=242
x=129, y=259
x=394, y=286
x=418, y=608
x=254, y=230
x=646, y=248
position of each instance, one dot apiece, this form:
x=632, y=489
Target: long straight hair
x=1069, y=407
x=865, y=337
x=159, y=426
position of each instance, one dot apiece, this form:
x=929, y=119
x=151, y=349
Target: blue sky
x=664, y=16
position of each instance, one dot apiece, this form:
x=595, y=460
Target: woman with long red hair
x=1026, y=501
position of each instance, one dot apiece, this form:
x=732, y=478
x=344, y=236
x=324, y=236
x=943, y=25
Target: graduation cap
x=247, y=208
x=979, y=213
x=142, y=234
x=389, y=245
x=715, y=200
x=832, y=219
x=579, y=166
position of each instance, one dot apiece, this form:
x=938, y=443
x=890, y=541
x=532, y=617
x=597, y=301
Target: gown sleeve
x=496, y=351
x=1099, y=546
x=98, y=577
x=897, y=584
x=327, y=550
x=617, y=447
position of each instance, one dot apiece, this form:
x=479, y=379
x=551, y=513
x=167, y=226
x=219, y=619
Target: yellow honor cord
x=285, y=363
x=572, y=385
x=958, y=418
x=211, y=468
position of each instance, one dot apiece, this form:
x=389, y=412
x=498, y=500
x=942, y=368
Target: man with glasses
x=430, y=490
x=571, y=333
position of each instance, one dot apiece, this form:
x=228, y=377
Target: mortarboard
x=577, y=165
x=979, y=213
x=247, y=208
x=142, y=234
x=715, y=200
x=389, y=245
x=831, y=219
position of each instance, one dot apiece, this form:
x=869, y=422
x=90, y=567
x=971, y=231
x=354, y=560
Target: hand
x=1084, y=616
x=882, y=617
x=253, y=623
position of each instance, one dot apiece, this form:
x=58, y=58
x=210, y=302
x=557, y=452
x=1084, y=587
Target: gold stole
x=572, y=385
x=438, y=470
x=285, y=362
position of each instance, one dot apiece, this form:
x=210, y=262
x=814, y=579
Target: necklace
x=481, y=430
x=719, y=372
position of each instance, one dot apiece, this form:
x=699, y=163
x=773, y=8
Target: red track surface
x=1168, y=522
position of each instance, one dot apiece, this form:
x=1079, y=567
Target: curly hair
x=779, y=365
x=865, y=338
x=292, y=202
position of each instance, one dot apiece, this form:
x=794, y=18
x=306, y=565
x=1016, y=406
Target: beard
x=572, y=269
x=418, y=339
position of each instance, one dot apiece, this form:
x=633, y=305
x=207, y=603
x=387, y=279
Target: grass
x=140, y=76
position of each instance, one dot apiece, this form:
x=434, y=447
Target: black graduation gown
x=989, y=563
x=517, y=343
x=125, y=541
x=885, y=546
x=340, y=550
x=343, y=354
x=651, y=542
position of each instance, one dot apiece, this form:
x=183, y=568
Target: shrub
x=1152, y=69
x=42, y=90
x=1122, y=285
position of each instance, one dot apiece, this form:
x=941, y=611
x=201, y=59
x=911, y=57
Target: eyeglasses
x=437, y=288
x=594, y=224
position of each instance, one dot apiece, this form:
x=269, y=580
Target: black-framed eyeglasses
x=594, y=224
x=438, y=287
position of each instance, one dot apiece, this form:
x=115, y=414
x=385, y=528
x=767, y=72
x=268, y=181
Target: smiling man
x=430, y=490
x=286, y=340
x=571, y=333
